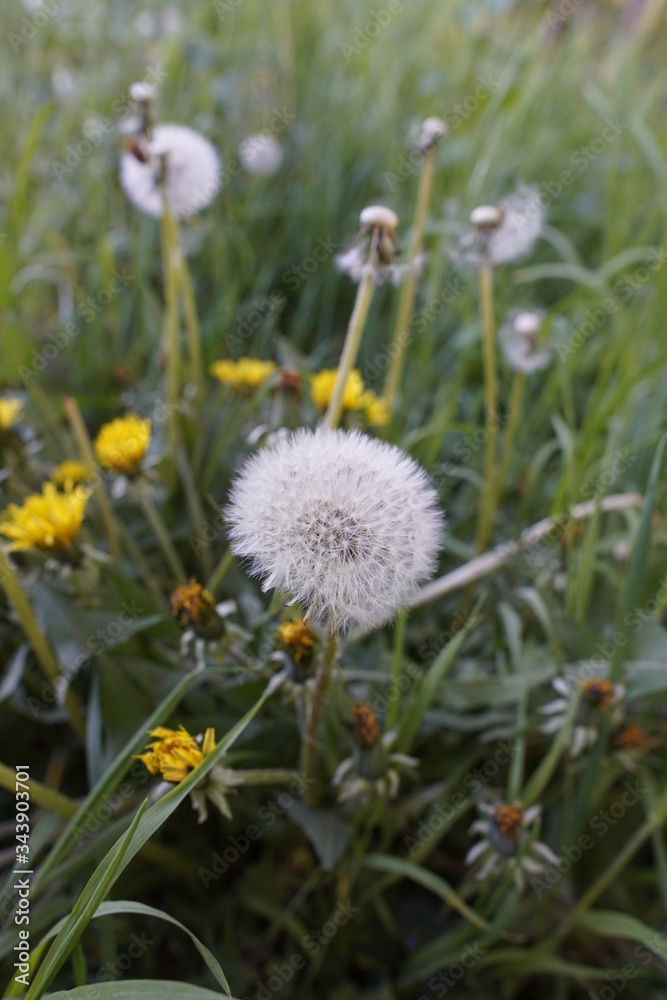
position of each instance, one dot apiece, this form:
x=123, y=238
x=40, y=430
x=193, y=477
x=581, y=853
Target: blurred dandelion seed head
x=261, y=154
x=346, y=525
x=504, y=232
x=176, y=161
x=519, y=339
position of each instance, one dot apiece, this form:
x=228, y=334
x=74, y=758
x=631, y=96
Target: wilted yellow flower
x=121, y=445
x=246, y=373
x=194, y=607
x=10, y=409
x=297, y=636
x=70, y=471
x=376, y=409
x=175, y=753
x=48, y=520
x=322, y=386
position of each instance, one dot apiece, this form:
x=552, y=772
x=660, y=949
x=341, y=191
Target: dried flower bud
x=194, y=607
x=486, y=216
x=378, y=216
x=432, y=131
x=366, y=727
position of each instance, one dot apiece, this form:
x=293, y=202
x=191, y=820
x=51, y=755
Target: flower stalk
x=513, y=417
x=160, y=530
x=171, y=275
x=406, y=301
x=489, y=491
x=88, y=455
x=352, y=340
x=310, y=746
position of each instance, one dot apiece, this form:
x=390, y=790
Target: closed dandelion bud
x=432, y=131
x=370, y=754
x=194, y=607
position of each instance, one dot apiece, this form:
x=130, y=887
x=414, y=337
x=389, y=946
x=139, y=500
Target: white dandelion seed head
x=432, y=131
x=346, y=525
x=261, y=154
x=191, y=168
x=504, y=232
x=520, y=344
x=142, y=92
x=378, y=215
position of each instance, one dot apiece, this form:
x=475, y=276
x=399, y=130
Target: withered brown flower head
x=598, y=692
x=508, y=820
x=366, y=726
x=194, y=607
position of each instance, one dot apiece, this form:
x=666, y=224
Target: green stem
x=171, y=272
x=406, y=302
x=654, y=821
x=86, y=450
x=194, y=503
x=310, y=747
x=488, y=504
x=192, y=330
x=220, y=571
x=160, y=530
x=352, y=341
x=39, y=642
x=513, y=417
x=396, y=669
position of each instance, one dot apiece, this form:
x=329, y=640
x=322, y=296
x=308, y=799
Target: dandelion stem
x=220, y=571
x=488, y=504
x=39, y=642
x=160, y=530
x=88, y=455
x=513, y=417
x=192, y=329
x=194, y=503
x=396, y=669
x=171, y=273
x=352, y=341
x=310, y=748
x=406, y=301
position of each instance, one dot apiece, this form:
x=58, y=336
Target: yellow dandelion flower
x=175, y=753
x=376, y=408
x=10, y=408
x=121, y=445
x=70, y=471
x=297, y=636
x=246, y=373
x=322, y=386
x=46, y=521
